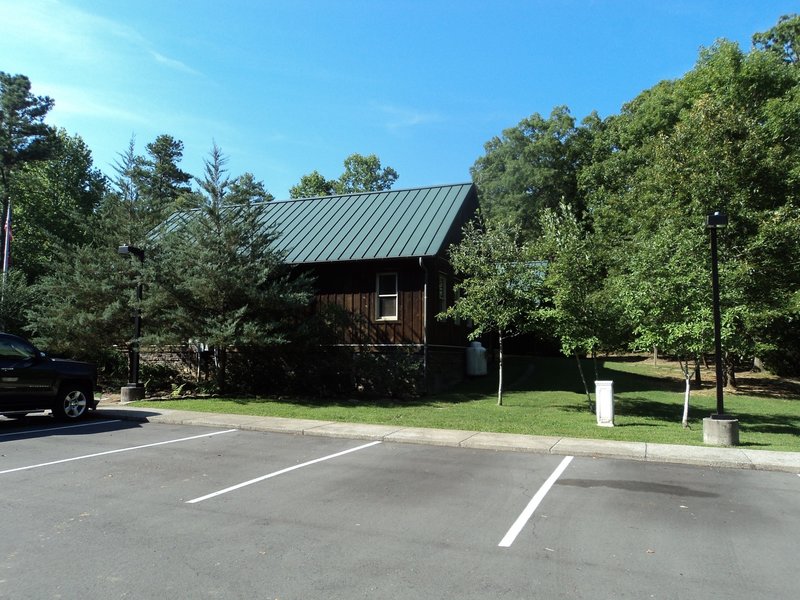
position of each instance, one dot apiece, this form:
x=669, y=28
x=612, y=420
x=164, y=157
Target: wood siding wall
x=352, y=286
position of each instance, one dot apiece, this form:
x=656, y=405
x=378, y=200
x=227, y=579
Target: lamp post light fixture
x=134, y=390
x=719, y=429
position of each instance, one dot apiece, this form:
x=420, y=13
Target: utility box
x=476, y=360
x=604, y=401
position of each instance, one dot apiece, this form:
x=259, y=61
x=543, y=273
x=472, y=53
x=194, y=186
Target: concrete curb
x=733, y=458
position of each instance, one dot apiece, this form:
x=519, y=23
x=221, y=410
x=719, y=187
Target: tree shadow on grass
x=343, y=402
x=753, y=384
x=639, y=407
x=520, y=374
x=523, y=374
x=562, y=374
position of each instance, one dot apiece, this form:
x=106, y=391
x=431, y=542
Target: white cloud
x=172, y=63
x=57, y=28
x=405, y=118
x=74, y=101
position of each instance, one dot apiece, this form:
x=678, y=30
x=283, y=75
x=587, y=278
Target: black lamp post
x=714, y=221
x=134, y=391
x=719, y=429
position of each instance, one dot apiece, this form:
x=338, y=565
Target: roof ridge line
x=409, y=189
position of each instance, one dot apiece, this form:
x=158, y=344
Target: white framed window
x=386, y=288
x=442, y=292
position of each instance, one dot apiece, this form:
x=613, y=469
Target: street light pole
x=719, y=429
x=134, y=390
x=717, y=320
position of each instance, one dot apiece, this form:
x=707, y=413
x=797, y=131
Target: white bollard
x=604, y=400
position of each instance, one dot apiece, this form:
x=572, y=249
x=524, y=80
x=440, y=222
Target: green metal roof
x=371, y=225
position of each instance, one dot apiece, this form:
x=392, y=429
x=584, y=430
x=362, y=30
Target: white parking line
x=281, y=472
x=516, y=528
x=27, y=431
x=64, y=460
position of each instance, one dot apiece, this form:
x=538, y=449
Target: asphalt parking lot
x=116, y=509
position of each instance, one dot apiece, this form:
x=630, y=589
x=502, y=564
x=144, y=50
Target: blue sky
x=288, y=86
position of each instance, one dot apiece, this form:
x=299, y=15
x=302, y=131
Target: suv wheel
x=72, y=403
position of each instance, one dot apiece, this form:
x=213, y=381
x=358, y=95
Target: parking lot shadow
x=44, y=425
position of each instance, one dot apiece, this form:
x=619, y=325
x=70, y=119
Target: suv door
x=26, y=377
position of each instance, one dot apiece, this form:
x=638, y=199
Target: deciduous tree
x=361, y=174
x=783, y=39
x=500, y=289
x=54, y=203
x=580, y=311
x=531, y=167
x=24, y=136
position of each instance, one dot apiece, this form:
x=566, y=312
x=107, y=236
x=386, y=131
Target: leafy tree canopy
x=783, y=39
x=24, y=136
x=722, y=137
x=361, y=174
x=533, y=166
x=55, y=200
x=500, y=289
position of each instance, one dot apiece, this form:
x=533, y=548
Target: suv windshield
x=11, y=348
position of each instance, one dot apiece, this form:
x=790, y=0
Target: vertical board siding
x=352, y=286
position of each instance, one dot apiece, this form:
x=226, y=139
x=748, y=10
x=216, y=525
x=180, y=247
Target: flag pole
x=6, y=244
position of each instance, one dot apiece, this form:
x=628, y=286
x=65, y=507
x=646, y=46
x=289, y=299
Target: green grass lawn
x=544, y=396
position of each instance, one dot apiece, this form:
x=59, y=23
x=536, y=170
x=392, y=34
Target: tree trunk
x=698, y=380
x=221, y=360
x=730, y=371
x=687, y=378
x=655, y=355
x=500, y=378
x=583, y=379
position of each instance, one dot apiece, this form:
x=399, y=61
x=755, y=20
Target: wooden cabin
x=382, y=256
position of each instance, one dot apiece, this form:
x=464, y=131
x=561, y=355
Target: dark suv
x=32, y=381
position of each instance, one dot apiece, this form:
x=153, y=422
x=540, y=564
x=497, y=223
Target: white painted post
x=604, y=400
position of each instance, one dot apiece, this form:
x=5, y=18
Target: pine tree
x=217, y=277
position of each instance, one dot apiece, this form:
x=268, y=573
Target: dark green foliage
x=730, y=147
x=24, y=136
x=246, y=188
x=533, y=166
x=16, y=296
x=394, y=374
x=325, y=372
x=160, y=379
x=726, y=136
x=86, y=299
x=782, y=357
x=54, y=201
x=158, y=176
x=216, y=277
x=364, y=174
x=361, y=174
x=783, y=39
x=81, y=308
x=312, y=185
x=500, y=287
x=144, y=192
